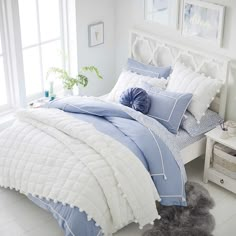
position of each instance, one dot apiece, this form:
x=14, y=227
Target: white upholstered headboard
x=150, y=49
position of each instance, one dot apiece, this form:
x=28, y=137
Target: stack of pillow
x=178, y=98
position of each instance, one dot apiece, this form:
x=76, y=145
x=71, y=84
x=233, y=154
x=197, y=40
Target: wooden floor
x=20, y=217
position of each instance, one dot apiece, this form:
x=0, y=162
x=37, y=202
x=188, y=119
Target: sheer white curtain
x=3, y=87
x=4, y=100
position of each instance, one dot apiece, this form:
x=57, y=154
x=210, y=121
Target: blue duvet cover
x=145, y=137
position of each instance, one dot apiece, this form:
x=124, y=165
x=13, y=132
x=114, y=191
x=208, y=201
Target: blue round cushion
x=137, y=99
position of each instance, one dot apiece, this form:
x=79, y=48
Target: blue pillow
x=148, y=70
x=168, y=107
x=137, y=99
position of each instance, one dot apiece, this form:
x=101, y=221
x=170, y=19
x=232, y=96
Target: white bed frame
x=150, y=49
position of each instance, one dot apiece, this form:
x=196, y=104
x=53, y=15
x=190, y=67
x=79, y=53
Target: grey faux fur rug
x=193, y=220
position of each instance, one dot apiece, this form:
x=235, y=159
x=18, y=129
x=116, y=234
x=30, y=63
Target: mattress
x=183, y=139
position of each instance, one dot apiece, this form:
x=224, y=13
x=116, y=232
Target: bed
x=91, y=163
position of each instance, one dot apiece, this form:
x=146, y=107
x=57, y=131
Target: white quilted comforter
x=49, y=154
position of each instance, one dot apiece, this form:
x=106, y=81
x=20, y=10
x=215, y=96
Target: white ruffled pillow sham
x=204, y=89
x=129, y=79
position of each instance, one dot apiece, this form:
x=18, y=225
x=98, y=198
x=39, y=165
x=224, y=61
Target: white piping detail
x=99, y=233
x=157, y=174
x=162, y=163
x=183, y=199
x=91, y=113
x=184, y=112
x=183, y=188
x=138, y=69
x=173, y=108
x=180, y=196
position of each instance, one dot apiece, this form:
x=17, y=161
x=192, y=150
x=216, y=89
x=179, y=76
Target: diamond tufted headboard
x=150, y=49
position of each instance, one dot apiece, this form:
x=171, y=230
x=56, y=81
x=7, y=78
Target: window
x=3, y=81
x=39, y=35
x=3, y=88
x=42, y=41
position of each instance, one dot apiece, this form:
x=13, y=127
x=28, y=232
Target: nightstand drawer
x=222, y=180
x=224, y=160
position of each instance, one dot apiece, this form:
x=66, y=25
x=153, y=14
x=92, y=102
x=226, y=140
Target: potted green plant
x=69, y=82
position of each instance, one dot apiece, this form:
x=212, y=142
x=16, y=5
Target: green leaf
x=92, y=69
x=83, y=80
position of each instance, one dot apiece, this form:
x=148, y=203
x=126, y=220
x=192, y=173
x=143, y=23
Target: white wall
x=103, y=56
x=130, y=14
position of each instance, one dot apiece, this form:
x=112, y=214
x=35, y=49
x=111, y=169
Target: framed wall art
x=203, y=20
x=164, y=12
x=96, y=34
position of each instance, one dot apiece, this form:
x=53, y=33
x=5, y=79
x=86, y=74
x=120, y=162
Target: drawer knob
x=222, y=181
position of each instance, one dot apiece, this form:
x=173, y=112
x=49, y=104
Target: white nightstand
x=211, y=174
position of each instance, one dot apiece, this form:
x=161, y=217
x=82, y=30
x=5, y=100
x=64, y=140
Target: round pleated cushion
x=137, y=99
